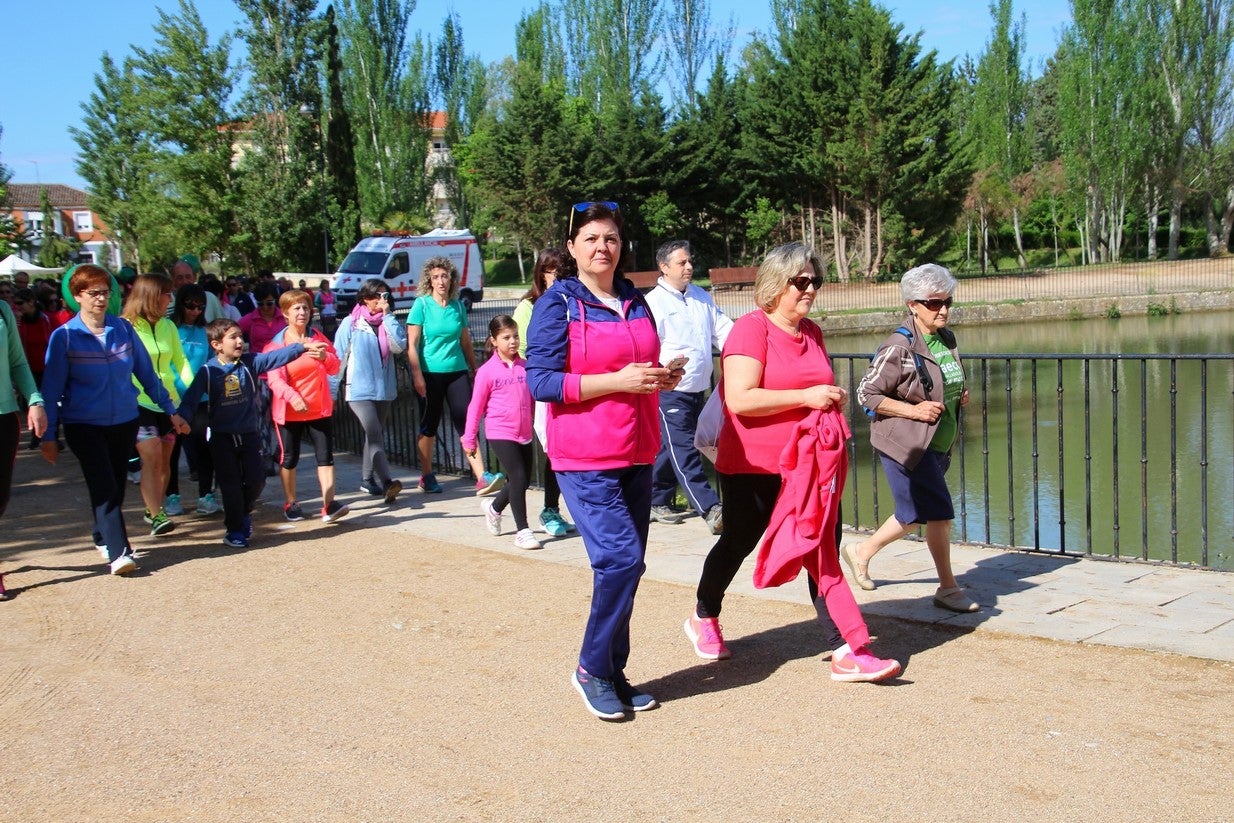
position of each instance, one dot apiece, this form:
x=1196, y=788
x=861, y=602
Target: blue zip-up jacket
x=196, y=350
x=367, y=378
x=572, y=334
x=85, y=381
x=231, y=389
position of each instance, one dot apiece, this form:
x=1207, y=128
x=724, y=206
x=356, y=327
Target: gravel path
x=358, y=672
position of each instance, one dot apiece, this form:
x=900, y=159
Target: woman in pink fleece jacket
x=501, y=397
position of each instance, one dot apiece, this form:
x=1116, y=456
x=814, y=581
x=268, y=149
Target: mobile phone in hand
x=678, y=362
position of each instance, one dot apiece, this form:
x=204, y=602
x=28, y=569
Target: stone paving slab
x=1132, y=605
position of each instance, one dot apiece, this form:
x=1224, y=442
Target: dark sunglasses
x=935, y=303
x=194, y=306
x=803, y=281
x=579, y=208
x=268, y=303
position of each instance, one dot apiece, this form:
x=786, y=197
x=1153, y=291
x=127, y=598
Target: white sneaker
x=492, y=519
x=102, y=550
x=123, y=564
x=525, y=539
x=171, y=505
x=206, y=504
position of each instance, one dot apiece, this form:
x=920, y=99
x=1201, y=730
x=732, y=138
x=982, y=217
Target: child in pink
x=501, y=397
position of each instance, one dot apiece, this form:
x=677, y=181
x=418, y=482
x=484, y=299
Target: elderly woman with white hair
x=914, y=389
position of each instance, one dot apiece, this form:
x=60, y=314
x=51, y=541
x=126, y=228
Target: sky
x=55, y=68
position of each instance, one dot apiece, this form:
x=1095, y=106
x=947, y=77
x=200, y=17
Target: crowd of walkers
x=133, y=372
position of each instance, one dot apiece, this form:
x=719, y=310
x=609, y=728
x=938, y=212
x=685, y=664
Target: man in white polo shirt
x=689, y=324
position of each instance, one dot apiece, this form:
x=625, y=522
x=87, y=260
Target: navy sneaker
x=429, y=484
x=247, y=528
x=333, y=512
x=372, y=487
x=292, y=511
x=599, y=695
x=236, y=540
x=631, y=697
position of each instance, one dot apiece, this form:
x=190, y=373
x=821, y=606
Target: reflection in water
x=1128, y=457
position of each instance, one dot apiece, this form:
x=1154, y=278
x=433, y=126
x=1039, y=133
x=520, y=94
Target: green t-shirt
x=953, y=387
x=441, y=328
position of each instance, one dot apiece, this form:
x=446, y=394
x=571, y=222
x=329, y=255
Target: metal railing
x=1123, y=456
x=1126, y=456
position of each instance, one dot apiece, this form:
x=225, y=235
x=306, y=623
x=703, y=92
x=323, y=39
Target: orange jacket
x=304, y=377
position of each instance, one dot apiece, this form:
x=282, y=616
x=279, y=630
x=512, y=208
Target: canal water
x=1128, y=457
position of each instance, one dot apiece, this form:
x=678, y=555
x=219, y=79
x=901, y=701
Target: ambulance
x=398, y=257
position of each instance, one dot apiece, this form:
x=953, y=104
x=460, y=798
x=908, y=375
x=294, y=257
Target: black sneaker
x=599, y=695
x=632, y=697
x=292, y=511
x=372, y=487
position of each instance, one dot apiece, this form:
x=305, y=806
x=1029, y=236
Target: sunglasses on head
x=934, y=303
x=803, y=281
x=579, y=208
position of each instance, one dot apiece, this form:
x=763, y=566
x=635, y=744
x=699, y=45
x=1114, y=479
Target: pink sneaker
x=861, y=666
x=708, y=640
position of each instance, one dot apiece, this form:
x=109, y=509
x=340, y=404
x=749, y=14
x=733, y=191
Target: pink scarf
x=360, y=312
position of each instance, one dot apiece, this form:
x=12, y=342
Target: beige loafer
x=859, y=570
x=954, y=600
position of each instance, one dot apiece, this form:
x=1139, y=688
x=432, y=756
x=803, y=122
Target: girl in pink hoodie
x=501, y=397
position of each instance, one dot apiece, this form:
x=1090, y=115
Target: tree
x=55, y=250
x=459, y=82
x=386, y=93
x=997, y=127
x=859, y=125
x=284, y=220
x=12, y=240
x=117, y=161
x=691, y=45
x=342, y=196
x=184, y=86
x=519, y=165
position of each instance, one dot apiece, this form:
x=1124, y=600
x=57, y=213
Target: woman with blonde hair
x=776, y=379
x=442, y=359
x=146, y=310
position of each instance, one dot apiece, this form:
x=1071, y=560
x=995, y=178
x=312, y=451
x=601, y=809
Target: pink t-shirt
x=752, y=445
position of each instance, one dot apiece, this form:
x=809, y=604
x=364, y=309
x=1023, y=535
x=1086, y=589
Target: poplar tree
x=343, y=207
x=185, y=84
x=997, y=127
x=284, y=218
x=385, y=90
x=116, y=159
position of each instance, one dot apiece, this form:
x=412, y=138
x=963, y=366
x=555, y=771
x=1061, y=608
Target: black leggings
x=291, y=434
x=552, y=492
x=10, y=433
x=453, y=388
x=515, y=459
x=742, y=530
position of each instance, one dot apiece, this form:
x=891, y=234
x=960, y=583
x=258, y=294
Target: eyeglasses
x=20, y=302
x=194, y=306
x=98, y=294
x=803, y=281
x=268, y=303
x=232, y=284
x=935, y=303
x=579, y=208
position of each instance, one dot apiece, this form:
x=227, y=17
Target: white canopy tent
x=13, y=264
